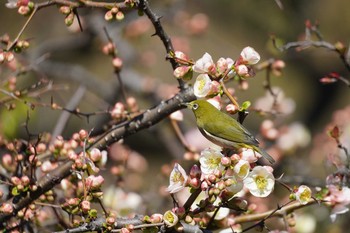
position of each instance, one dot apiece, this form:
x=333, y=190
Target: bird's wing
x=234, y=131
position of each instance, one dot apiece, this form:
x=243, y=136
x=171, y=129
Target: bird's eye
x=195, y=106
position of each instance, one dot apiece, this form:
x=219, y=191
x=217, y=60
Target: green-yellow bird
x=224, y=130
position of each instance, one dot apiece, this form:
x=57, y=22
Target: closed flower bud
x=95, y=155
x=195, y=171
x=25, y=180
x=94, y=182
x=24, y=10
x=115, y=10
x=156, y=218
x=119, y=16
x=117, y=63
x=85, y=206
x=242, y=70
x=69, y=19
x=108, y=16
x=181, y=57
x=15, y=180
x=6, y=208
x=66, y=10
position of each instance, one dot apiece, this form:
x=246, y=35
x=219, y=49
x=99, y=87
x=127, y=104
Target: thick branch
x=140, y=122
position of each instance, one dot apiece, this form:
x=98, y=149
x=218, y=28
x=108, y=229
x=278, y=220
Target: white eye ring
x=195, y=106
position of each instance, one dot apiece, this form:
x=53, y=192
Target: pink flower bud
x=195, y=171
x=119, y=16
x=115, y=10
x=181, y=71
x=156, y=218
x=212, y=178
x=65, y=10
x=85, y=206
x=108, y=49
x=180, y=56
x=83, y=134
x=242, y=70
x=15, y=180
x=117, y=63
x=25, y=180
x=108, y=16
x=204, y=185
x=221, y=65
x=94, y=182
x=132, y=103
x=9, y=56
x=226, y=161
x=95, y=155
x=110, y=220
x=231, y=108
x=195, y=183
x=24, y=10
x=7, y=160
x=6, y=208
x=73, y=201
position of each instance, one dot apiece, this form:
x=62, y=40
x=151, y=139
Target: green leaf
x=15, y=191
x=245, y=105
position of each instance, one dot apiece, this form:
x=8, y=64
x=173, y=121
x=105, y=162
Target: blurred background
x=74, y=59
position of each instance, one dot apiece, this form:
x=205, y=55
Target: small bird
x=224, y=130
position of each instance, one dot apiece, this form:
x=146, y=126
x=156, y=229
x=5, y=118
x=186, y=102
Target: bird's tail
x=264, y=154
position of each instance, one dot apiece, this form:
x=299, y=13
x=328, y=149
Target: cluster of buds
x=118, y=112
x=25, y=7
x=80, y=206
x=114, y=13
x=20, y=185
x=49, y=196
x=6, y=56
x=110, y=223
x=69, y=15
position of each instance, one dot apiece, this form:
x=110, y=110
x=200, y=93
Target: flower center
x=261, y=182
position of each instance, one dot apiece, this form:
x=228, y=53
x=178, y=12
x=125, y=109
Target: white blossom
x=250, y=56
x=303, y=194
x=204, y=64
x=241, y=169
x=178, y=179
x=210, y=161
x=260, y=182
x=202, y=86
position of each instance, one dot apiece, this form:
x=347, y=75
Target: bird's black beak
x=187, y=105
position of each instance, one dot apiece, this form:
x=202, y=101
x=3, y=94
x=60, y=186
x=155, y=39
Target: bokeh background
x=221, y=28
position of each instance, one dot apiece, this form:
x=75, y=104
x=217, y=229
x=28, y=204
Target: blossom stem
x=232, y=99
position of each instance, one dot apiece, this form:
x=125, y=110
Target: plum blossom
x=170, y=218
x=202, y=86
x=303, y=194
x=249, y=56
x=235, y=187
x=241, y=169
x=210, y=161
x=204, y=65
x=260, y=182
x=178, y=179
x=338, y=198
x=250, y=155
